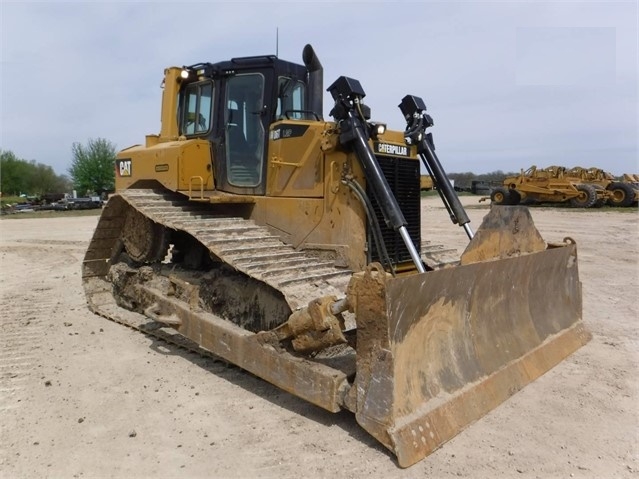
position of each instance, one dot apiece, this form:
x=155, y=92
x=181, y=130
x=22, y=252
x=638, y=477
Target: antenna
x=277, y=41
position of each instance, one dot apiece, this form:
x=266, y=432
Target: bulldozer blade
x=437, y=351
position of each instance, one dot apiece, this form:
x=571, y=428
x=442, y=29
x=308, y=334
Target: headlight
x=377, y=129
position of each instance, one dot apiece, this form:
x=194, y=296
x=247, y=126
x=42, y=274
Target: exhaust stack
x=315, y=80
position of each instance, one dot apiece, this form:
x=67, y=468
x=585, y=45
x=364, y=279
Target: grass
x=11, y=200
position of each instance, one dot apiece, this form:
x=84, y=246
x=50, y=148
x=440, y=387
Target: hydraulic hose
x=378, y=239
x=393, y=215
x=348, y=112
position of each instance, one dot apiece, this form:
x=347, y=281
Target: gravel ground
x=83, y=397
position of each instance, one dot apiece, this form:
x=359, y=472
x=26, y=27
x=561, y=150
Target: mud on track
x=83, y=397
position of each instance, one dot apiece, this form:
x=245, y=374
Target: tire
x=500, y=196
x=586, y=198
x=623, y=194
x=515, y=197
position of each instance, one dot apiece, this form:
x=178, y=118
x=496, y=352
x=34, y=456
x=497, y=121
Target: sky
x=509, y=84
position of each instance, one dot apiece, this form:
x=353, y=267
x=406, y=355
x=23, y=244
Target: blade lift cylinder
x=414, y=110
x=348, y=112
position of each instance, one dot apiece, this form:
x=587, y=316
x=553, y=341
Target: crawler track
x=242, y=244
x=299, y=276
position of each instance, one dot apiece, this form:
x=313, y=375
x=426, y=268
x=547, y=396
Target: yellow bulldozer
x=291, y=246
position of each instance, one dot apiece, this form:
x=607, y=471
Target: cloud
x=566, y=56
x=509, y=84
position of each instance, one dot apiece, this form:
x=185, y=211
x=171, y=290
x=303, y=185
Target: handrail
x=284, y=163
x=201, y=187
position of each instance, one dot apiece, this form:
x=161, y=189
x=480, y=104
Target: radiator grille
x=402, y=175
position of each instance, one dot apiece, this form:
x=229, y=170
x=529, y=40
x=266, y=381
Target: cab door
x=241, y=152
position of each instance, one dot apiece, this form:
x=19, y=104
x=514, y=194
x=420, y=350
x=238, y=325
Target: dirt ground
x=84, y=397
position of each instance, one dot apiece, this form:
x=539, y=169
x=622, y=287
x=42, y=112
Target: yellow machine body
x=279, y=268
x=549, y=185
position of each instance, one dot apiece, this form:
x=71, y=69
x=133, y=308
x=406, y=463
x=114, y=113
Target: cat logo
x=123, y=167
x=391, y=150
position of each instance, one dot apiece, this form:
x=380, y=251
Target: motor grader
x=291, y=246
x=549, y=185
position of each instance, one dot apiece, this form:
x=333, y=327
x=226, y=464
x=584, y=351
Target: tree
x=43, y=180
x=18, y=176
x=93, y=166
x=14, y=173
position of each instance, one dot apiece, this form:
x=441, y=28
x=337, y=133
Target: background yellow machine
x=577, y=186
x=291, y=246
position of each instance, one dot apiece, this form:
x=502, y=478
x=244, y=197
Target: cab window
x=290, y=99
x=196, y=108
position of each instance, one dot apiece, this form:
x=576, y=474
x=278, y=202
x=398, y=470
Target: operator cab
x=233, y=103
